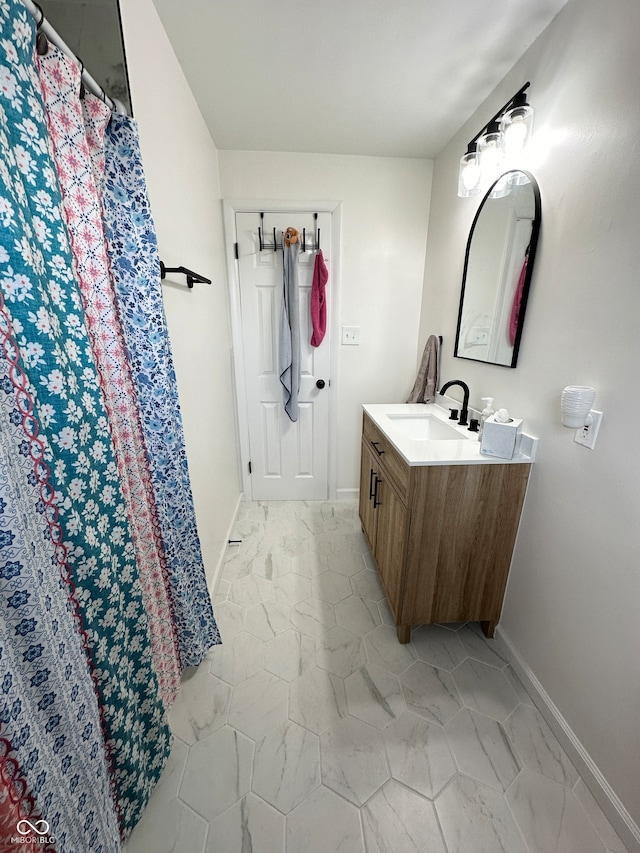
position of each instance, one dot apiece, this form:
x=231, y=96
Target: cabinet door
x=368, y=474
x=391, y=543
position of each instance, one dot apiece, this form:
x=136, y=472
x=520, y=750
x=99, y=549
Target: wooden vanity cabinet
x=441, y=536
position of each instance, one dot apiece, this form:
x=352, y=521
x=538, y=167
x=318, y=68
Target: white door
x=289, y=461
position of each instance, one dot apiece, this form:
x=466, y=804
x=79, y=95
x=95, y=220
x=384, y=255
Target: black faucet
x=465, y=400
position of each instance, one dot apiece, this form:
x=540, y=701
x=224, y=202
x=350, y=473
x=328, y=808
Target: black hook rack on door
x=275, y=245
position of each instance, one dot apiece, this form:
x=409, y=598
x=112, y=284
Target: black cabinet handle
x=371, y=476
x=376, y=502
x=320, y=383
x=375, y=447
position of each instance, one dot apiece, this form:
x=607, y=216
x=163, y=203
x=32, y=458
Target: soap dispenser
x=486, y=413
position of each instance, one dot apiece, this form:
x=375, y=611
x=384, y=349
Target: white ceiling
x=378, y=77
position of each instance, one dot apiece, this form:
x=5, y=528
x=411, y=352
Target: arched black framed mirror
x=497, y=271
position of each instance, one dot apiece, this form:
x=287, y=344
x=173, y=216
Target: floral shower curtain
x=103, y=597
x=60, y=78
x=135, y=264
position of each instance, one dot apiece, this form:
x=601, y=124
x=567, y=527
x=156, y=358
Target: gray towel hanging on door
x=289, y=343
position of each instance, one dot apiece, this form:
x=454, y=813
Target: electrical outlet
x=589, y=432
x=351, y=336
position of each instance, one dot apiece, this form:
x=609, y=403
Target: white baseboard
x=347, y=494
x=218, y=569
x=606, y=797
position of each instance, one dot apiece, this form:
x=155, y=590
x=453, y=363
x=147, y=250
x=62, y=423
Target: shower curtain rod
x=92, y=85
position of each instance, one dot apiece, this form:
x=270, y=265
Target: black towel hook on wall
x=192, y=276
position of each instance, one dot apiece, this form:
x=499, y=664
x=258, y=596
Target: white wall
x=181, y=167
x=385, y=208
x=573, y=599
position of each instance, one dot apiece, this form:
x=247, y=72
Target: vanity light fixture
x=497, y=146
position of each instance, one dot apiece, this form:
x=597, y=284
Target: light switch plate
x=351, y=336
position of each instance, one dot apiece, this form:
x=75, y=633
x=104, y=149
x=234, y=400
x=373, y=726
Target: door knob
x=320, y=383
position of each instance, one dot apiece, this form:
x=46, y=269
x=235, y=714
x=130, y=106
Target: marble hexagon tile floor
x=312, y=730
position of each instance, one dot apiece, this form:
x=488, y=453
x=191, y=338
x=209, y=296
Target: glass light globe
x=502, y=186
x=516, y=126
x=469, y=175
x=490, y=154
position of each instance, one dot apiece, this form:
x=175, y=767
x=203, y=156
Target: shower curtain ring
x=83, y=91
x=39, y=8
x=42, y=43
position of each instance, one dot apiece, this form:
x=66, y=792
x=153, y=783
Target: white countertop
x=464, y=450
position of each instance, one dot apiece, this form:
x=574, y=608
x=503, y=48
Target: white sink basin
x=425, y=428
x=423, y=435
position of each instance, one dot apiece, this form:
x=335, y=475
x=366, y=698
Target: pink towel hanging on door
x=319, y=300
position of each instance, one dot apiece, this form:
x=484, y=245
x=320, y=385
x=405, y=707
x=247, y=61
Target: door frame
x=230, y=208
